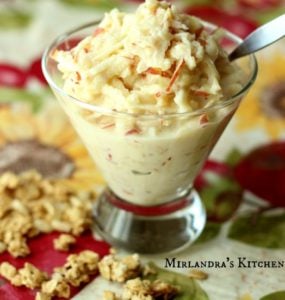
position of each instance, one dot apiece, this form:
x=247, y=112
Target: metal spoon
x=260, y=38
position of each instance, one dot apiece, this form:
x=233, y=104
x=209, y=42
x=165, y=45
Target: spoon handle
x=260, y=38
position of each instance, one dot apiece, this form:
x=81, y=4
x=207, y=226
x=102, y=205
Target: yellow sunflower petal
x=15, y=126
x=250, y=115
x=76, y=150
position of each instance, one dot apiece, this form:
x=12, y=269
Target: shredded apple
x=156, y=50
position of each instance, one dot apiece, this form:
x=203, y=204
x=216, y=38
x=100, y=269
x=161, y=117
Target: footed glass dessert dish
x=149, y=161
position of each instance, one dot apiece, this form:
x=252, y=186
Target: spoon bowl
x=260, y=38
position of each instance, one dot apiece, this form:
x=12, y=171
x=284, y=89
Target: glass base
x=151, y=229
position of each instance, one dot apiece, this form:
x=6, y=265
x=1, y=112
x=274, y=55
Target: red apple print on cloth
x=262, y=172
x=35, y=71
x=235, y=23
x=215, y=167
x=260, y=4
x=12, y=76
x=46, y=259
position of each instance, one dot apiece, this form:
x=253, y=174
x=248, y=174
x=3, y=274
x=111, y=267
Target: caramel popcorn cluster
x=80, y=267
x=129, y=270
x=117, y=269
x=77, y=270
x=28, y=276
x=64, y=242
x=138, y=289
x=30, y=205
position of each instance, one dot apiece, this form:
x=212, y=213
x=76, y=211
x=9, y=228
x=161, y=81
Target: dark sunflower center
x=273, y=100
x=25, y=155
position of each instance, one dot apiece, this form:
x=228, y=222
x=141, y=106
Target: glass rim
x=108, y=111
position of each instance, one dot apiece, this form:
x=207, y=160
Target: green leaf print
x=221, y=199
x=275, y=296
x=12, y=18
x=189, y=288
x=269, y=15
x=233, y=157
x=97, y=4
x=196, y=2
x=210, y=231
x=261, y=231
x=10, y=95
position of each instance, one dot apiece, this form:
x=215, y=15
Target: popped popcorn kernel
x=113, y=268
x=64, y=242
x=31, y=204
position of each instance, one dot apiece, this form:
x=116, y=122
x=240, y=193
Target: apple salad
x=148, y=93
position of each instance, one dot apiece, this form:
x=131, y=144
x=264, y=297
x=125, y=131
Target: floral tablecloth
x=242, y=184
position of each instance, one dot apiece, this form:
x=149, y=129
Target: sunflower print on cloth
x=45, y=141
x=264, y=107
